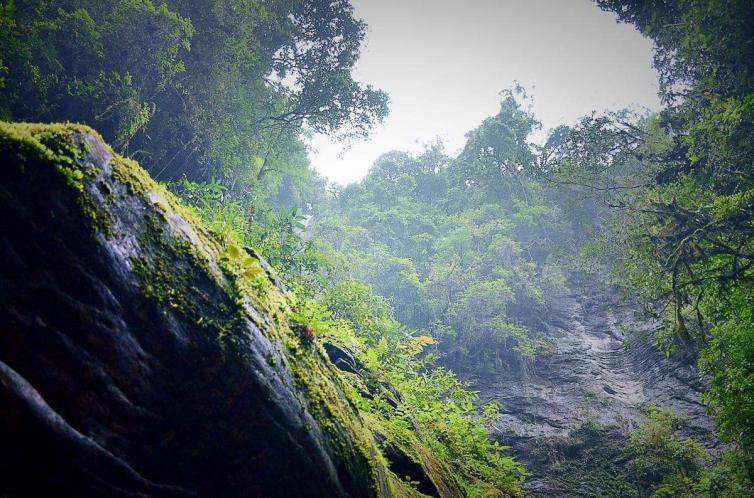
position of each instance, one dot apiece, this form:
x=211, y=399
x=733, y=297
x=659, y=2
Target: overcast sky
x=444, y=62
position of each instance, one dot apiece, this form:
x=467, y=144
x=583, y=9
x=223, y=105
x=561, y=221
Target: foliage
x=664, y=464
x=591, y=461
x=657, y=462
x=421, y=398
x=464, y=248
x=729, y=357
x=192, y=88
x=661, y=462
x=682, y=235
x=405, y=390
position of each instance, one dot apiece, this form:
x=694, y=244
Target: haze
x=444, y=67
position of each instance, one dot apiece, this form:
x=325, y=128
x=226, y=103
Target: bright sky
x=444, y=62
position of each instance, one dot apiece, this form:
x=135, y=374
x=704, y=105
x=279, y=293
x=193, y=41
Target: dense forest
x=436, y=264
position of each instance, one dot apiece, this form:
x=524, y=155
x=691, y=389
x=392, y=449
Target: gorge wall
x=576, y=406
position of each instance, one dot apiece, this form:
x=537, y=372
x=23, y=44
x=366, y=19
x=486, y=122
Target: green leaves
x=686, y=237
x=251, y=268
x=233, y=252
x=416, y=398
x=662, y=462
x=194, y=88
x=248, y=266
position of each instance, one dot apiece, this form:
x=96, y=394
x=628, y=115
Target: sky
x=443, y=64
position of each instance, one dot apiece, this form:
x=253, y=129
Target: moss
x=174, y=264
x=138, y=183
x=130, y=174
x=42, y=149
x=107, y=190
x=399, y=488
x=270, y=359
x=406, y=441
x=251, y=296
x=177, y=274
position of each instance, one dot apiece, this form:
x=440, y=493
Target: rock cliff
x=582, y=399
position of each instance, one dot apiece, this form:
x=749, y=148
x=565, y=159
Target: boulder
x=139, y=356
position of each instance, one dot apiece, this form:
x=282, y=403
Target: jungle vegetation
x=434, y=262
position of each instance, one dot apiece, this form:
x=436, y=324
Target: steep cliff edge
x=570, y=414
x=141, y=357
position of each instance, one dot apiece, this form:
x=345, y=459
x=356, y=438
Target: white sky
x=444, y=62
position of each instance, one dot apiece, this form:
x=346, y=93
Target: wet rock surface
x=603, y=368
x=113, y=385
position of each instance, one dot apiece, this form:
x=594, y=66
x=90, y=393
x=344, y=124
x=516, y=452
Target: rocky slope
x=139, y=356
x=582, y=399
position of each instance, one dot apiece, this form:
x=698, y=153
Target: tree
x=191, y=88
x=685, y=188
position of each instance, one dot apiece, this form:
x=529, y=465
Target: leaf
x=417, y=344
x=253, y=271
x=233, y=251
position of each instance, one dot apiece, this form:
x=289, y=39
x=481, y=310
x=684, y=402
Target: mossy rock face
x=140, y=357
